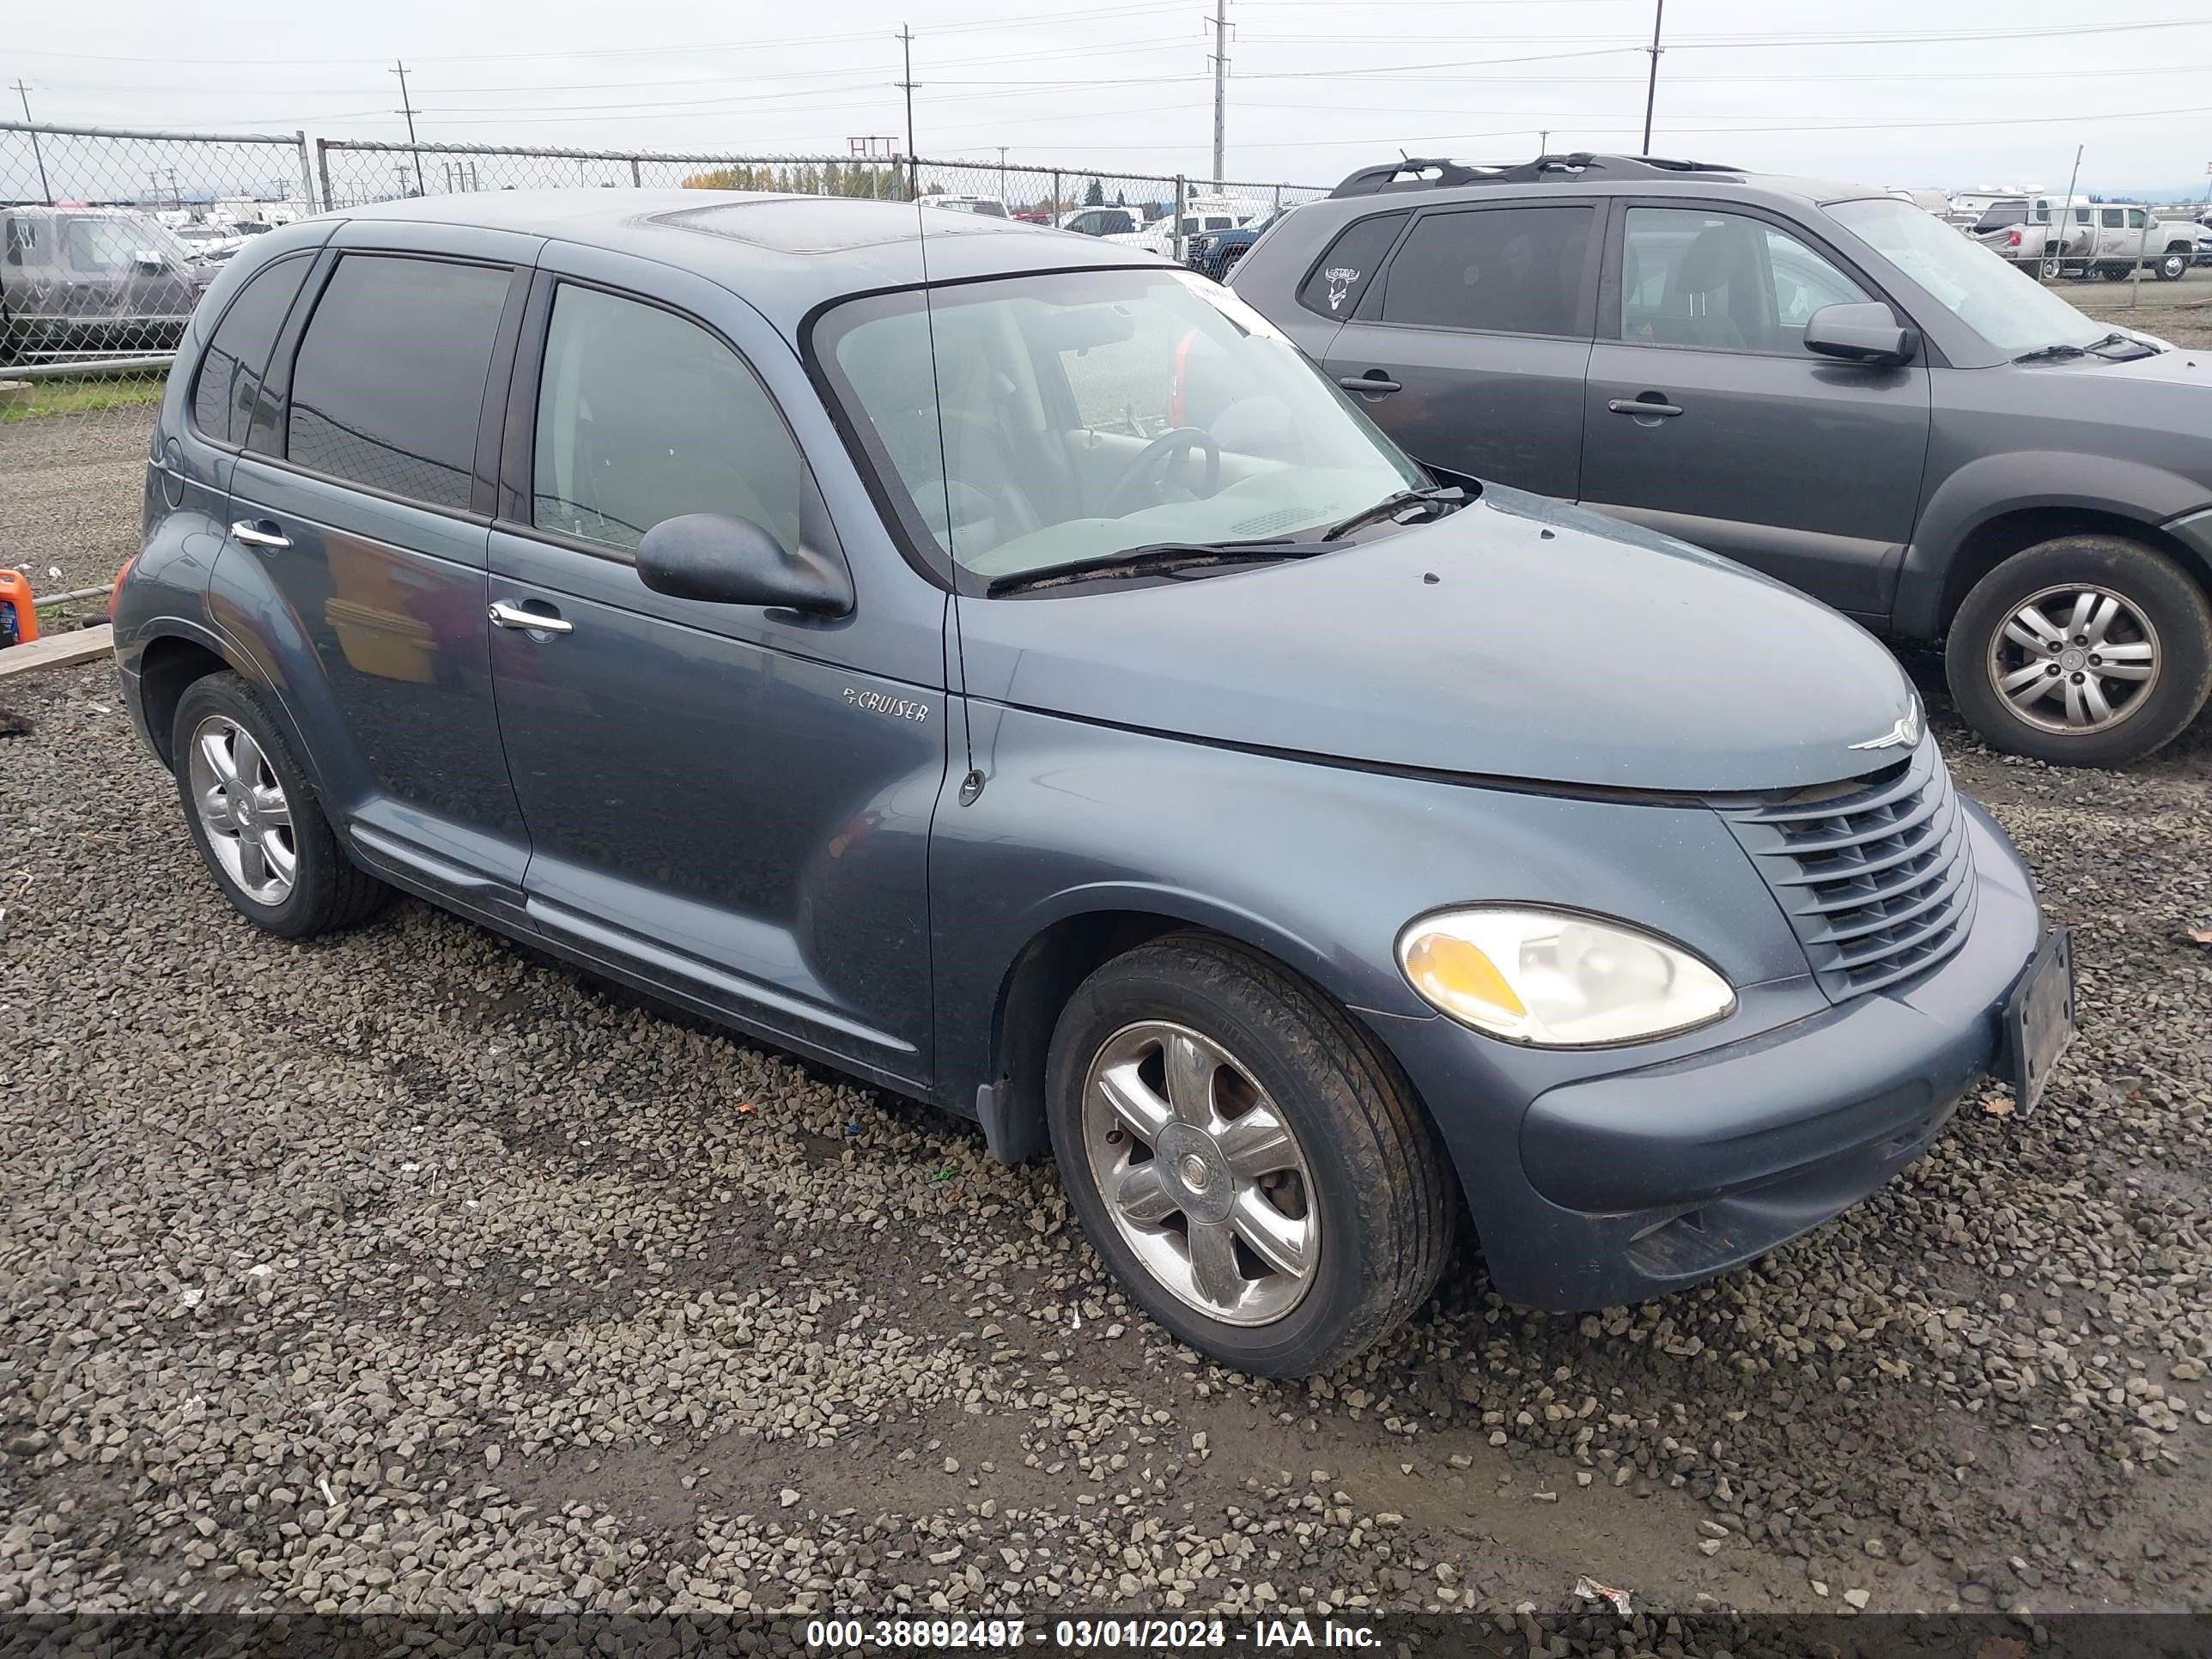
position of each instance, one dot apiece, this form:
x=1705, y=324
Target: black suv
x=1818, y=379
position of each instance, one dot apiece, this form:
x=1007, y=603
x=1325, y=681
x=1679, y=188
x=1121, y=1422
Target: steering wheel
x=1150, y=467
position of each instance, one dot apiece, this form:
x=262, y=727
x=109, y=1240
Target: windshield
x=1070, y=415
x=2007, y=307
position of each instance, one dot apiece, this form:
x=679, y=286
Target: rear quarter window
x=228, y=383
x=1333, y=286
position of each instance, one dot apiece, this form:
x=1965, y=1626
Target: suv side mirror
x=721, y=560
x=1865, y=332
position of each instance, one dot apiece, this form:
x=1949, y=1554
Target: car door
x=1471, y=346
x=1707, y=418
x=728, y=803
x=361, y=505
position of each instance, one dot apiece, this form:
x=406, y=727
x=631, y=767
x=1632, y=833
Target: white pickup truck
x=2063, y=238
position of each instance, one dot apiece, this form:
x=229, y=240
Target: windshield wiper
x=1153, y=559
x=1442, y=497
x=2064, y=349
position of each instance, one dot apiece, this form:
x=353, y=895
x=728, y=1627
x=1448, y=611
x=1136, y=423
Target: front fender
x=1318, y=864
x=1984, y=490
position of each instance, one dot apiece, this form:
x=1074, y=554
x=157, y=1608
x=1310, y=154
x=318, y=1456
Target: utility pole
x=1543, y=141
x=1220, y=55
x=1651, y=87
x=44, y=189
x=906, y=54
x=407, y=108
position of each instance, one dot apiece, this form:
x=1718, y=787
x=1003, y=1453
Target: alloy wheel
x=242, y=806
x=1201, y=1173
x=2075, y=658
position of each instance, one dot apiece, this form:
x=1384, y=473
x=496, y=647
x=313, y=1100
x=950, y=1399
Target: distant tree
x=1121, y=199
x=1094, y=194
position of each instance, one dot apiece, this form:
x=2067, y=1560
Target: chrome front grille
x=1875, y=873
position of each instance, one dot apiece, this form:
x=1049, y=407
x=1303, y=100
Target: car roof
x=785, y=254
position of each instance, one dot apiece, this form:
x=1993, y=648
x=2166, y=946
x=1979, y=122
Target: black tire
x=2174, y=265
x=2174, y=606
x=328, y=891
x=2114, y=273
x=1378, y=1174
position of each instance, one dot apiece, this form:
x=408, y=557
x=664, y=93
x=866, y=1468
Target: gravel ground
x=71, y=488
x=407, y=1272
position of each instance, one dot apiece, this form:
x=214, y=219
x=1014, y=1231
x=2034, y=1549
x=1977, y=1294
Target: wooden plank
x=58, y=650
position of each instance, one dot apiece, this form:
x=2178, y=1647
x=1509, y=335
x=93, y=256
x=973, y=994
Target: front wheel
x=2084, y=651
x=1251, y=1166
x=2173, y=266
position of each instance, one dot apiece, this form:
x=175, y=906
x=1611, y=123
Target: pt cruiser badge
x=904, y=708
x=1905, y=734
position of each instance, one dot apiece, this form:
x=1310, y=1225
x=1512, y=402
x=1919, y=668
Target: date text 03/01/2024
x=1164, y=1634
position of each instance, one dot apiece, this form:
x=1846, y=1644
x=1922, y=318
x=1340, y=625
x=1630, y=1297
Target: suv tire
x=255, y=818
x=2161, y=620
x=1346, y=1184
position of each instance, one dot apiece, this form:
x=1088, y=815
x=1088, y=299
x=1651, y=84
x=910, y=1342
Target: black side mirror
x=725, y=561
x=1866, y=332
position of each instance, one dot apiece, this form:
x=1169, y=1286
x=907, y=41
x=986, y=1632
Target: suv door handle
x=262, y=533
x=1373, y=381
x=507, y=614
x=1635, y=406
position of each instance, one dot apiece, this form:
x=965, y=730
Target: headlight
x=1556, y=979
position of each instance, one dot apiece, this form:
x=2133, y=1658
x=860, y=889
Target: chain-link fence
x=1131, y=207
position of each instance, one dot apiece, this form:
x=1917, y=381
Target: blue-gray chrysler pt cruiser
x=992, y=661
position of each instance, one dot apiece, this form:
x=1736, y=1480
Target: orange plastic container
x=18, y=611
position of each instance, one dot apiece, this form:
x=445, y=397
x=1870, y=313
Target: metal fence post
x=636, y=177
x=1055, y=196
x=1279, y=198
x=1177, y=211
x=323, y=168
x=307, y=173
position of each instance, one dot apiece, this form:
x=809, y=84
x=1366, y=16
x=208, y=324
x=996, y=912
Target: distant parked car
x=987, y=207
x=1215, y=253
x=2104, y=238
x=1101, y=222
x=88, y=279
x=1201, y=216
x=1826, y=383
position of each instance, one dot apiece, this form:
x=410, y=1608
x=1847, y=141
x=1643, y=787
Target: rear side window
x=390, y=381
x=22, y=239
x=230, y=374
x=1509, y=271
x=643, y=415
x=1336, y=283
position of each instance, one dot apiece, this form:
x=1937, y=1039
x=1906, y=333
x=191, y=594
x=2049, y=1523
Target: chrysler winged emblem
x=1905, y=734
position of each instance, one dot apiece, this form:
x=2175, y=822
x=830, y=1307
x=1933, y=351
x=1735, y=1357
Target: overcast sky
x=1317, y=87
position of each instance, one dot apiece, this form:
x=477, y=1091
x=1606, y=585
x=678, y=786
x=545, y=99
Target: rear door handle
x=507, y=614
x=261, y=533
x=1374, y=381
x=1635, y=406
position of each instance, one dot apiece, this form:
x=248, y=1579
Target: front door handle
x=1637, y=407
x=1374, y=382
x=261, y=533
x=505, y=615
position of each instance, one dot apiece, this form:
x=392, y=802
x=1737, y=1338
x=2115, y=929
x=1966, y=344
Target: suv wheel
x=256, y=820
x=2085, y=650
x=1253, y=1168
x=2173, y=264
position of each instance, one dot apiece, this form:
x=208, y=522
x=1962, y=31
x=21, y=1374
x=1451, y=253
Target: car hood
x=1516, y=638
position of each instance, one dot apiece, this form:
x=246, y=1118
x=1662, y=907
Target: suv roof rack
x=1416, y=173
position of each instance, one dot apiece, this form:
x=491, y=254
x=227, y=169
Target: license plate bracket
x=2038, y=1019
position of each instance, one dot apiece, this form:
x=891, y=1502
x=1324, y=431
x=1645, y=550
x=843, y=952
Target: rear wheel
x=255, y=818
x=2112, y=273
x=2084, y=651
x=1252, y=1168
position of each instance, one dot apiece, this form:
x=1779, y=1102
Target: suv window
x=1335, y=285
x=1692, y=277
x=1510, y=270
x=643, y=415
x=390, y=381
x=230, y=372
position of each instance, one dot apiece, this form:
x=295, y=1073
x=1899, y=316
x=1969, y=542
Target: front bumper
x=1609, y=1190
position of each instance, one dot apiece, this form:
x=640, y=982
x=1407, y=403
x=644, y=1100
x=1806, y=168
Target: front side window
x=102, y=248
x=1041, y=419
x=1721, y=280
x=389, y=385
x=1510, y=271
x=2135, y=219
x=2009, y=309
x=230, y=373
x=643, y=415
